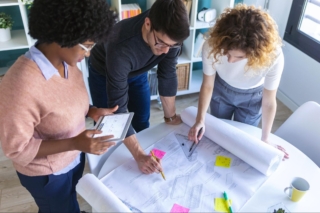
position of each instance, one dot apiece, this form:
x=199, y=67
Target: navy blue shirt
x=124, y=55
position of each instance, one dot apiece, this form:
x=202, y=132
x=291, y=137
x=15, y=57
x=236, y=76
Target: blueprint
x=192, y=183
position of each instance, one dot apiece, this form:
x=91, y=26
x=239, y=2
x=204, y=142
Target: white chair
x=96, y=161
x=302, y=129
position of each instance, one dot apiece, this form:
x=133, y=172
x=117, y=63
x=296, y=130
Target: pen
x=227, y=201
x=156, y=159
x=199, y=133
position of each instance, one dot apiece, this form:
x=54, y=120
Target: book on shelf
x=198, y=45
x=153, y=81
x=130, y=10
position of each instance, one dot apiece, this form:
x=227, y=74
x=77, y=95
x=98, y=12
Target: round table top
x=270, y=193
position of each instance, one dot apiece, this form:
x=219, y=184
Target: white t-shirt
x=236, y=75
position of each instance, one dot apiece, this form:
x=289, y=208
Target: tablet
x=114, y=124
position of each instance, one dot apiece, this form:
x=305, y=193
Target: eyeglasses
x=162, y=44
x=87, y=49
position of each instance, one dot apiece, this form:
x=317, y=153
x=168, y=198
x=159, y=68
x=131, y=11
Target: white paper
x=99, y=196
x=195, y=183
x=253, y=151
x=192, y=184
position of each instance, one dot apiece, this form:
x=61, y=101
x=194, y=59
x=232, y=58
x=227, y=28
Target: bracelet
x=167, y=120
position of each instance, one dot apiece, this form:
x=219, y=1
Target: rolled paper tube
x=253, y=151
x=99, y=196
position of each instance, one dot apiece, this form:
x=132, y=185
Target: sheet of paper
x=192, y=184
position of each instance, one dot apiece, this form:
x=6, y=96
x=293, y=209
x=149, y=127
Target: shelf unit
x=21, y=39
x=195, y=78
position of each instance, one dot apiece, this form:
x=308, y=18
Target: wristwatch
x=167, y=120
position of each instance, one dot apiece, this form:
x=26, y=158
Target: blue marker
x=227, y=201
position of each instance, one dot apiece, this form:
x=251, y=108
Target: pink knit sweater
x=33, y=109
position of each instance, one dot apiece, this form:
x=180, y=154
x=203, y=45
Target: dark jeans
x=244, y=105
x=139, y=96
x=55, y=193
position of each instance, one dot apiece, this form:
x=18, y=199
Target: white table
x=270, y=193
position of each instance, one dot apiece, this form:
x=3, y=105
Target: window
x=303, y=27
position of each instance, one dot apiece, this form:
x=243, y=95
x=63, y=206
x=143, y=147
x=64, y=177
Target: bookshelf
x=21, y=40
x=195, y=74
x=19, y=34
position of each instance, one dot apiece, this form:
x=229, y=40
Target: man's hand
x=176, y=121
x=148, y=165
x=95, y=113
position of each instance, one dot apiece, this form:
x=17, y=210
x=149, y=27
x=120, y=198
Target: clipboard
x=114, y=124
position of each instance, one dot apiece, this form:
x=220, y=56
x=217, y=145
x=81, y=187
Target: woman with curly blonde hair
x=242, y=67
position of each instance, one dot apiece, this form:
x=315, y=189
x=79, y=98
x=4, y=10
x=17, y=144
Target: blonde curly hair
x=248, y=29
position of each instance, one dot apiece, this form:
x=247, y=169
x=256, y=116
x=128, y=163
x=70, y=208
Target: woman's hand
x=195, y=134
x=86, y=143
x=286, y=155
x=95, y=113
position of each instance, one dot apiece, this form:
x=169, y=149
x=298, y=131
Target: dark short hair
x=171, y=18
x=70, y=22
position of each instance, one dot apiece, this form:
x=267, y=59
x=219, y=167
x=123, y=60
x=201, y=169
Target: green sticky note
x=223, y=161
x=220, y=205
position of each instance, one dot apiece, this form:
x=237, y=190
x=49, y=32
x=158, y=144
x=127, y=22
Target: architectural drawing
x=191, y=182
x=179, y=187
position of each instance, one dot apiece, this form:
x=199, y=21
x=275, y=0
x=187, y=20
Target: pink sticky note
x=158, y=153
x=179, y=209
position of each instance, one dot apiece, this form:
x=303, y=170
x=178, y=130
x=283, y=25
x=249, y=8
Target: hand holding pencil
x=196, y=132
x=156, y=159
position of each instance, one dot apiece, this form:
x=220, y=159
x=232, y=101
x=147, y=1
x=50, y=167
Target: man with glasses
x=118, y=69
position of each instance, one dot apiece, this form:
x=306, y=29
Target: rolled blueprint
x=99, y=196
x=253, y=151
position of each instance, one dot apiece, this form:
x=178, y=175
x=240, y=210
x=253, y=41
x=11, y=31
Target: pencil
x=161, y=172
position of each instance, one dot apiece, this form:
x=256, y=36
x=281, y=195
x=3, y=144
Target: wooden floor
x=15, y=198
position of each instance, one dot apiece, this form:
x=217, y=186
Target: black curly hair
x=70, y=22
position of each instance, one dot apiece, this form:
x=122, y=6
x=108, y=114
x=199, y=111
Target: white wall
x=300, y=80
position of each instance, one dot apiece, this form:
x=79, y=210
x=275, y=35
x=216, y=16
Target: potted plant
x=5, y=27
x=27, y=2
x=280, y=210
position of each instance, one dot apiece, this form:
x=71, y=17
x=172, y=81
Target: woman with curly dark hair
x=43, y=101
x=242, y=67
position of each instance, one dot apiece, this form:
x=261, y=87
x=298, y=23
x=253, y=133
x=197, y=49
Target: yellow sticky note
x=223, y=161
x=220, y=205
